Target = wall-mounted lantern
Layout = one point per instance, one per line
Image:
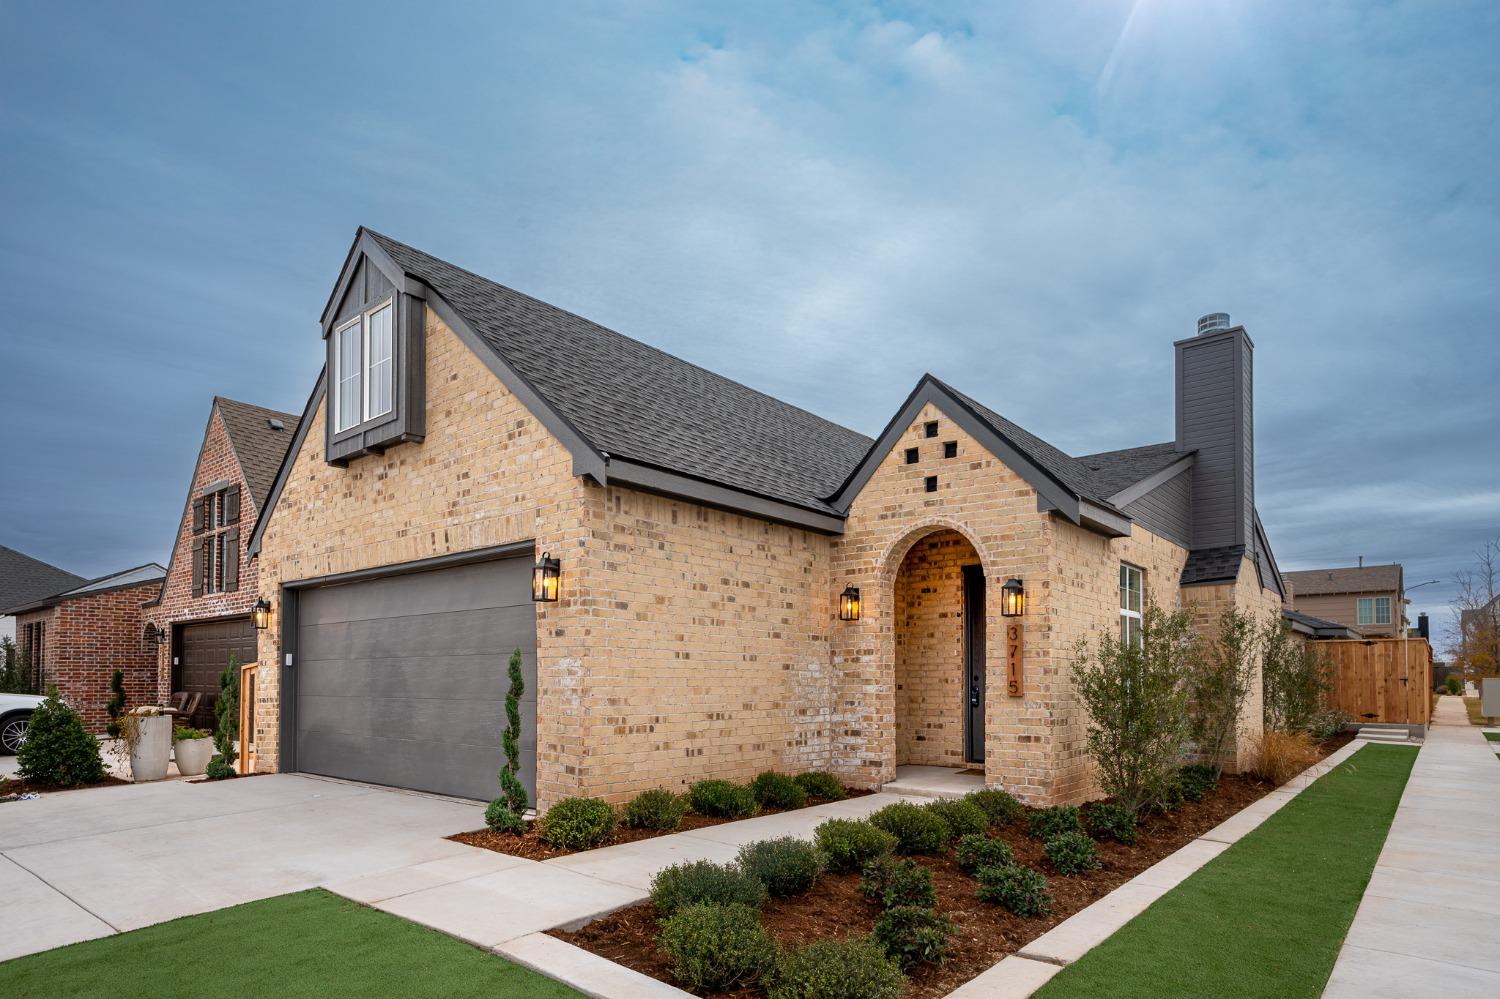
(849, 604)
(1012, 598)
(261, 614)
(153, 635)
(546, 577)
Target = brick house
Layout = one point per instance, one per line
(201, 613)
(25, 580)
(729, 583)
(80, 636)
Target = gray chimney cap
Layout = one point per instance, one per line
(1213, 323)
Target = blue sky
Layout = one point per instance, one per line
(823, 201)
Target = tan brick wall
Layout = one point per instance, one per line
(930, 680)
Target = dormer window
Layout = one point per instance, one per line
(364, 376)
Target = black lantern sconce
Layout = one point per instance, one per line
(546, 577)
(1012, 598)
(261, 614)
(849, 604)
(153, 635)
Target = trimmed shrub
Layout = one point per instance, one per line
(774, 790)
(1072, 853)
(500, 818)
(58, 750)
(721, 799)
(1001, 806)
(181, 732)
(1329, 723)
(511, 788)
(897, 882)
(1453, 685)
(1022, 890)
(1197, 779)
(116, 706)
(963, 817)
(1111, 821)
(836, 969)
(1048, 822)
(913, 935)
(977, 850)
(227, 712)
(786, 866)
(917, 830)
(850, 844)
(657, 809)
(714, 947)
(823, 786)
(218, 769)
(577, 823)
(703, 882)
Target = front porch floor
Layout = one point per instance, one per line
(934, 782)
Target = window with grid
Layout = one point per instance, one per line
(1132, 601)
(364, 382)
(1374, 610)
(216, 541)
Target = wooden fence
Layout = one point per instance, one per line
(1382, 679)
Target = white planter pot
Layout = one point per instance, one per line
(193, 755)
(148, 761)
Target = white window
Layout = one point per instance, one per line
(1374, 610)
(1132, 593)
(364, 375)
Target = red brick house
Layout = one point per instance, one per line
(201, 615)
(80, 636)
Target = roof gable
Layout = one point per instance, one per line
(260, 438)
(1347, 579)
(140, 575)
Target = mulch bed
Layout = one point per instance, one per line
(530, 845)
(983, 933)
(15, 785)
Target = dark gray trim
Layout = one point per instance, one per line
(213, 487)
(588, 460)
(365, 246)
(263, 515)
(656, 480)
(1136, 490)
(1051, 494)
(291, 590)
(1106, 522)
(1263, 543)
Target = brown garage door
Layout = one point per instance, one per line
(204, 651)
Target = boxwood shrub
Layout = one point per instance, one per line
(1022, 890)
(977, 850)
(774, 790)
(58, 749)
(1072, 853)
(1106, 820)
(703, 882)
(850, 844)
(1001, 806)
(963, 816)
(1197, 779)
(912, 934)
(717, 947)
(917, 829)
(577, 823)
(499, 817)
(721, 799)
(897, 882)
(836, 969)
(823, 786)
(1048, 822)
(786, 866)
(656, 809)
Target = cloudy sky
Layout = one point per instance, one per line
(823, 201)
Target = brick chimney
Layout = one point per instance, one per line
(1216, 418)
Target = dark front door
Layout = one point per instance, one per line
(974, 662)
(204, 651)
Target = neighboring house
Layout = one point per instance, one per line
(24, 580)
(1315, 627)
(201, 617)
(729, 583)
(80, 636)
(1369, 598)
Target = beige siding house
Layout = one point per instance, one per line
(701, 580)
(1369, 598)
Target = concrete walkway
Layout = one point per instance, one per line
(1426, 926)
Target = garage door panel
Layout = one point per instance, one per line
(461, 633)
(402, 680)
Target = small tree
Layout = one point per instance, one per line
(1220, 679)
(1137, 699)
(1296, 675)
(116, 705)
(511, 787)
(58, 750)
(15, 668)
(227, 711)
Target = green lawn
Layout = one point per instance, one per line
(1492, 736)
(301, 946)
(1267, 916)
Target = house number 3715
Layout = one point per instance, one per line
(1014, 680)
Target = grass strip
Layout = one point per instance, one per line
(1268, 915)
(299, 946)
(1492, 736)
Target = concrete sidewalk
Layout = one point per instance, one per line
(1426, 925)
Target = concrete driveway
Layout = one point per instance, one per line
(82, 864)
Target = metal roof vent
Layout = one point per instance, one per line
(1213, 323)
(276, 424)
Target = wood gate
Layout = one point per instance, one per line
(1381, 679)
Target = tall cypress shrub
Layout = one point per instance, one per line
(227, 711)
(116, 705)
(511, 787)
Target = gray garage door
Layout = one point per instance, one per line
(402, 680)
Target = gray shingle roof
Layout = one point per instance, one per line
(24, 579)
(1115, 470)
(257, 445)
(633, 401)
(1213, 565)
(1349, 579)
(1319, 627)
(139, 575)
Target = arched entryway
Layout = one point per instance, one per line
(938, 595)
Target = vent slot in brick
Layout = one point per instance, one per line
(912, 454)
(931, 483)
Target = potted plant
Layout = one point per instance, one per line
(146, 738)
(192, 747)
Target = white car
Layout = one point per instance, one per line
(15, 718)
